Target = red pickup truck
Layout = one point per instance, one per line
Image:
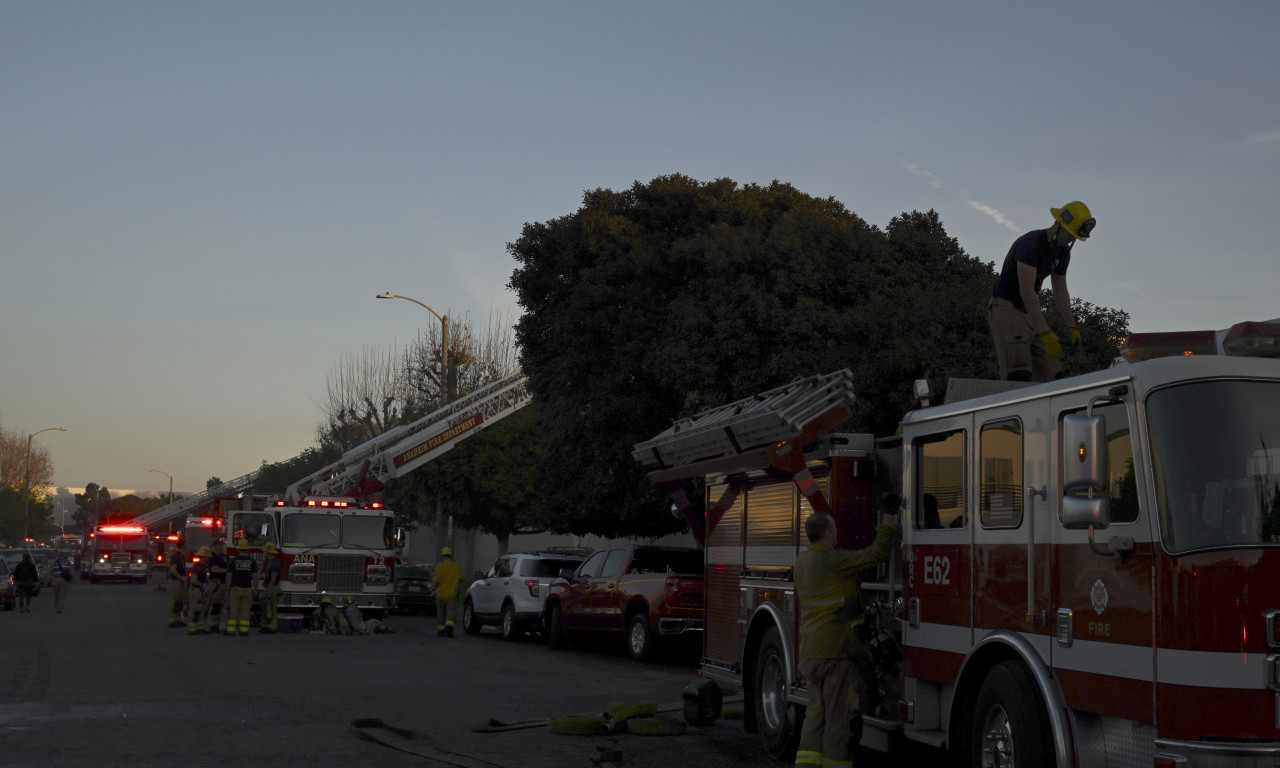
(641, 591)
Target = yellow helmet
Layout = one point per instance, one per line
(203, 552)
(242, 544)
(326, 600)
(270, 548)
(446, 552)
(1075, 218)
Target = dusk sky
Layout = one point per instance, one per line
(200, 201)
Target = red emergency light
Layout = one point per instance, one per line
(121, 529)
(375, 505)
(173, 537)
(207, 522)
(1148, 346)
(1253, 340)
(325, 503)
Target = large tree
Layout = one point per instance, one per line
(656, 302)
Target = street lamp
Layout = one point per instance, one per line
(26, 489)
(166, 474)
(444, 344)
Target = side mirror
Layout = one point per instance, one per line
(1084, 453)
(567, 574)
(1079, 513)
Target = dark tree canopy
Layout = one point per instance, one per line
(674, 296)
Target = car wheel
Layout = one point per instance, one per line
(510, 629)
(470, 624)
(639, 637)
(556, 636)
(777, 719)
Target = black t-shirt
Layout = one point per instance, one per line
(1034, 249)
(242, 569)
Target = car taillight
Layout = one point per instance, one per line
(532, 586)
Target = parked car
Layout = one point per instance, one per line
(14, 556)
(413, 590)
(510, 593)
(642, 592)
(8, 592)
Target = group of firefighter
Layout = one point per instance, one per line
(216, 579)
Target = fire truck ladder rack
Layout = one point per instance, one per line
(402, 449)
(765, 430)
(182, 506)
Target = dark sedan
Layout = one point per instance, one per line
(414, 592)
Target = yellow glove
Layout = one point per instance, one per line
(1076, 341)
(1051, 346)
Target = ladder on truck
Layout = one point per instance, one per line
(400, 450)
(765, 430)
(181, 507)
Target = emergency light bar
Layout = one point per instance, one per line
(121, 529)
(1251, 339)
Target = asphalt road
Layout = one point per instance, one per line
(106, 683)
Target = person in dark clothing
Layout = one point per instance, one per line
(26, 579)
(1026, 348)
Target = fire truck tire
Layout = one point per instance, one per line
(510, 627)
(577, 725)
(640, 638)
(1009, 722)
(777, 719)
(556, 637)
(655, 726)
(470, 624)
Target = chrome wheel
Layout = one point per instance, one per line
(997, 740)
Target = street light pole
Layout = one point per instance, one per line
(26, 488)
(166, 474)
(444, 344)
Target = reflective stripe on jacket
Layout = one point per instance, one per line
(827, 586)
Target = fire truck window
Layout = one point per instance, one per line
(1122, 486)
(1000, 451)
(940, 481)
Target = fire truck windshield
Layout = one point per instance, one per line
(367, 531)
(1215, 446)
(355, 531)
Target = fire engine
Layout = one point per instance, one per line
(118, 552)
(1087, 572)
(329, 546)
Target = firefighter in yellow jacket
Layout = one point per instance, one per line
(447, 580)
(826, 582)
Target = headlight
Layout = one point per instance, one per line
(302, 573)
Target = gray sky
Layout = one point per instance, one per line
(201, 200)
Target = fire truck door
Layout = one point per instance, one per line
(1102, 650)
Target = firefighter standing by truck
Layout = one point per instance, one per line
(270, 589)
(446, 580)
(177, 580)
(217, 589)
(198, 593)
(826, 582)
(1026, 348)
(241, 571)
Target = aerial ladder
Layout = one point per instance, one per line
(180, 508)
(364, 470)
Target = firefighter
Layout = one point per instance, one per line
(217, 589)
(332, 619)
(198, 593)
(242, 569)
(1026, 348)
(826, 582)
(447, 580)
(177, 580)
(270, 589)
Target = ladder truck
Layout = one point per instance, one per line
(1087, 569)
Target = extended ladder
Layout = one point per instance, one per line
(182, 506)
(402, 449)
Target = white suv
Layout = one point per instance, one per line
(511, 593)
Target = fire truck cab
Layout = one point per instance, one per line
(118, 553)
(1087, 572)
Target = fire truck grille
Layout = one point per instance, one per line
(340, 573)
(119, 558)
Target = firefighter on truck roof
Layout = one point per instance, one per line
(1026, 349)
(241, 571)
(826, 582)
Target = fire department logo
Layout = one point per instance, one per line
(1098, 596)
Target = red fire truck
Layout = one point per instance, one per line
(118, 553)
(329, 545)
(1088, 567)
